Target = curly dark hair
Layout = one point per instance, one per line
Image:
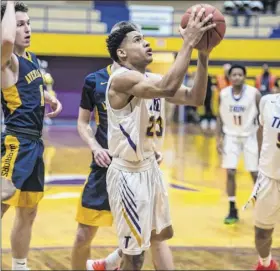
(237, 66)
(19, 6)
(122, 24)
(116, 38)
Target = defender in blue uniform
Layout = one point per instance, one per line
(94, 209)
(23, 102)
(22, 148)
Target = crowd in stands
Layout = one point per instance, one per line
(248, 9)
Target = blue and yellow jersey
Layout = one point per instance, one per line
(93, 98)
(23, 103)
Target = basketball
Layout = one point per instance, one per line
(214, 36)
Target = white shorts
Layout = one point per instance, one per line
(266, 199)
(139, 203)
(234, 146)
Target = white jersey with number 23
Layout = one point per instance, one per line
(137, 130)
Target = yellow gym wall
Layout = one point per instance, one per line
(95, 46)
(83, 45)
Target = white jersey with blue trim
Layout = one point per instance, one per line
(269, 163)
(137, 130)
(239, 114)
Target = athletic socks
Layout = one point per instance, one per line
(113, 260)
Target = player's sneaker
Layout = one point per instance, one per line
(273, 266)
(97, 265)
(232, 217)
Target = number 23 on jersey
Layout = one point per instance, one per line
(155, 127)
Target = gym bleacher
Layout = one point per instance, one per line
(59, 16)
(80, 16)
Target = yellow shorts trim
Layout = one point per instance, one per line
(93, 217)
(24, 199)
(8, 161)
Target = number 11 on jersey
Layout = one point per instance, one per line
(237, 120)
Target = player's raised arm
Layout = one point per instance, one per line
(194, 96)
(8, 20)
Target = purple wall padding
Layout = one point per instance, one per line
(70, 101)
(69, 74)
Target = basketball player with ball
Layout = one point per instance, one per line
(136, 125)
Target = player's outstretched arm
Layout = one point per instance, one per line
(196, 95)
(8, 33)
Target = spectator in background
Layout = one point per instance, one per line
(208, 120)
(272, 4)
(242, 8)
(223, 80)
(266, 81)
(245, 8)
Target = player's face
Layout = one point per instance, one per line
(237, 77)
(137, 50)
(23, 33)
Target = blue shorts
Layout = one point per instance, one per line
(22, 163)
(93, 207)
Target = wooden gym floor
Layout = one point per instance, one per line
(197, 198)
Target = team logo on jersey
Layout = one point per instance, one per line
(127, 238)
(156, 105)
(237, 108)
(33, 75)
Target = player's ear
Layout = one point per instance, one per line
(121, 53)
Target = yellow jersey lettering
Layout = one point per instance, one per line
(33, 75)
(7, 161)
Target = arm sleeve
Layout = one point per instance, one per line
(87, 99)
